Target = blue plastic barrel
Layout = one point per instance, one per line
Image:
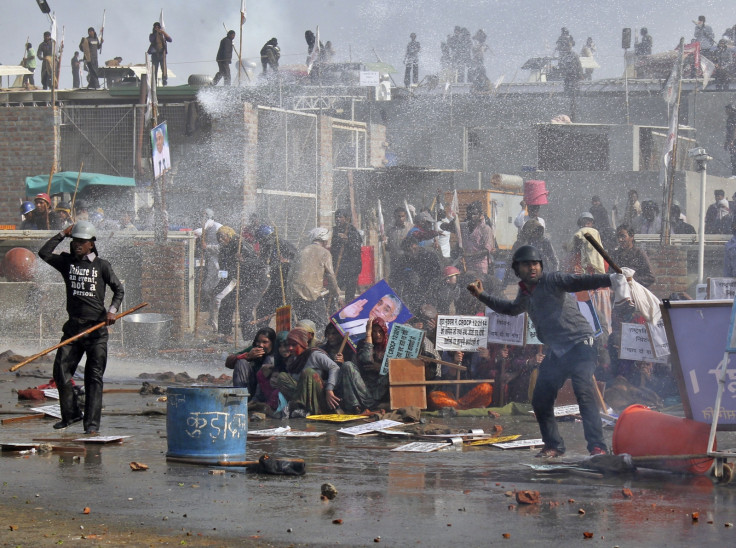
(205, 425)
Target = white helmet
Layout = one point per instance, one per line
(84, 230)
(319, 234)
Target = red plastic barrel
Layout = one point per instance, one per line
(367, 276)
(641, 432)
(535, 193)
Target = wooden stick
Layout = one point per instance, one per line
(251, 463)
(599, 397)
(442, 362)
(202, 274)
(343, 343)
(22, 418)
(599, 248)
(74, 338)
(445, 381)
(76, 187)
(281, 271)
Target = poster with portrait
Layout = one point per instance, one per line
(378, 301)
(160, 148)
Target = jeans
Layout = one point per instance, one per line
(65, 365)
(578, 365)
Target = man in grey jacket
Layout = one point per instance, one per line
(568, 335)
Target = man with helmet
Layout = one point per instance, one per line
(548, 299)
(210, 249)
(42, 202)
(61, 216)
(85, 276)
(26, 212)
(306, 280)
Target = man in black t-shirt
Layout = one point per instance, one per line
(85, 276)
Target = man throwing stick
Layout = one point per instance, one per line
(562, 327)
(85, 276)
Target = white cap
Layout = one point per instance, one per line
(319, 233)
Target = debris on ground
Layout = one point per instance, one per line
(138, 466)
(527, 497)
(329, 491)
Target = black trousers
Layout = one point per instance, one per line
(223, 71)
(67, 359)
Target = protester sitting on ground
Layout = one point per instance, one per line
(362, 387)
(247, 363)
(521, 375)
(333, 342)
(308, 383)
(282, 354)
(310, 327)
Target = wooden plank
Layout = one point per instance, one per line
(412, 393)
(446, 381)
(121, 391)
(22, 418)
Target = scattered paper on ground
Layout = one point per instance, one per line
(421, 447)
(519, 444)
(336, 418)
(50, 410)
(285, 432)
(499, 439)
(52, 393)
(369, 427)
(101, 439)
(565, 410)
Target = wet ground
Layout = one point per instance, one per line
(397, 499)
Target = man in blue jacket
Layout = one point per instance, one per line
(548, 299)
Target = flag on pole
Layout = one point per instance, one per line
(707, 66)
(161, 19)
(149, 97)
(243, 15)
(315, 53)
(102, 28)
(670, 88)
(674, 83)
(53, 27)
(381, 225)
(455, 214)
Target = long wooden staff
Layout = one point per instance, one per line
(76, 187)
(343, 343)
(237, 282)
(202, 273)
(281, 272)
(74, 338)
(599, 248)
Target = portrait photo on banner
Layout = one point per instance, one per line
(380, 301)
(160, 147)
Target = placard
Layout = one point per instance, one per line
(403, 342)
(504, 329)
(531, 332)
(369, 78)
(697, 332)
(283, 318)
(658, 339)
(369, 427)
(520, 444)
(379, 301)
(421, 447)
(461, 333)
(721, 288)
(636, 344)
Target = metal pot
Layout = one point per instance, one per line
(150, 331)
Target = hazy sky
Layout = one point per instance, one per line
(516, 29)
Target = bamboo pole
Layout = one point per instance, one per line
(74, 338)
(76, 187)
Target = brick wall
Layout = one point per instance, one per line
(164, 281)
(671, 269)
(26, 149)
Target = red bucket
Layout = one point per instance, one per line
(641, 432)
(535, 193)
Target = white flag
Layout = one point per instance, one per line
(161, 19)
(455, 212)
(243, 15)
(670, 88)
(53, 27)
(671, 136)
(707, 66)
(149, 97)
(315, 53)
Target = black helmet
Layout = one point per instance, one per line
(526, 253)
